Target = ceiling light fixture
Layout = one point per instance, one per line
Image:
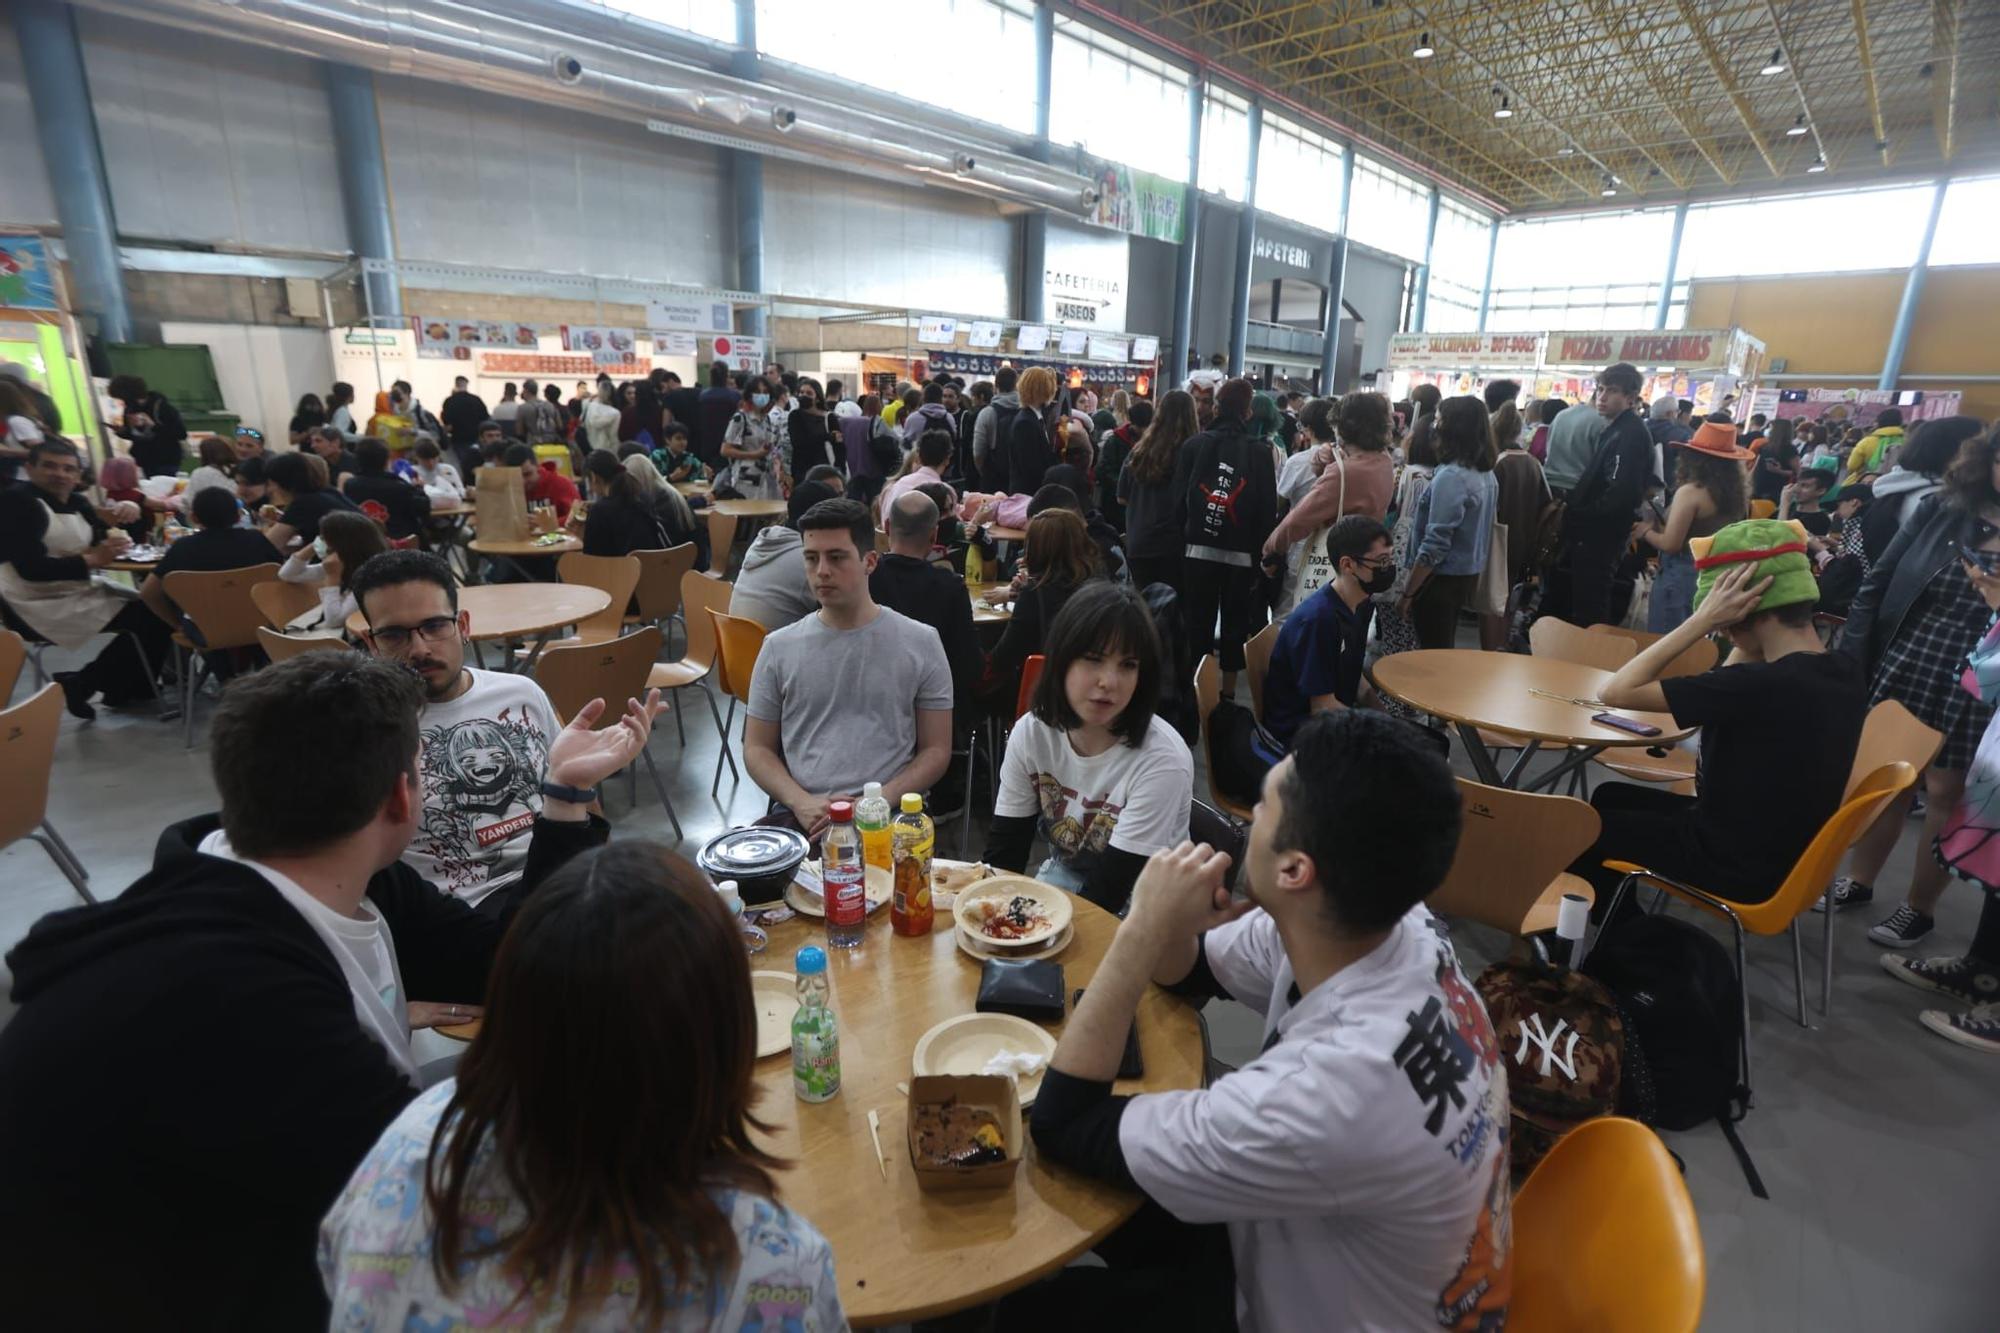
(1504, 110)
(1610, 187)
(1424, 49)
(1777, 65)
(1567, 150)
(1818, 165)
(1798, 127)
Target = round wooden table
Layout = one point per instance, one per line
(1000, 534)
(511, 549)
(132, 566)
(693, 487)
(983, 614)
(1472, 689)
(749, 508)
(518, 611)
(902, 1254)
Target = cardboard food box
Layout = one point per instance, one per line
(990, 1092)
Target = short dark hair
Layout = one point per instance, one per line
(1055, 495)
(517, 454)
(125, 388)
(1821, 476)
(1004, 379)
(934, 392)
(841, 513)
(490, 424)
(673, 428)
(1758, 418)
(391, 568)
(1622, 376)
(1934, 443)
(371, 456)
(355, 715)
(426, 448)
(1354, 536)
(1363, 419)
(825, 473)
(215, 507)
(1501, 391)
(1464, 433)
(1140, 414)
(934, 447)
(718, 375)
(1548, 410)
(53, 444)
(1372, 802)
(1889, 416)
(290, 472)
(1101, 617)
(1233, 398)
(252, 471)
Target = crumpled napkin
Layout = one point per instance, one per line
(1019, 1064)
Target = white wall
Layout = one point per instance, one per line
(482, 179)
(25, 196)
(261, 370)
(211, 141)
(884, 242)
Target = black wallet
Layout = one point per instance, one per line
(1031, 989)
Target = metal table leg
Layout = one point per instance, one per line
(1482, 760)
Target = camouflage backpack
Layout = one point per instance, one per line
(1563, 1044)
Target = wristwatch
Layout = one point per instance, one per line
(574, 795)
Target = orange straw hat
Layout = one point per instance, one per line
(1717, 438)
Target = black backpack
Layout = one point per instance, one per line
(1177, 702)
(1675, 985)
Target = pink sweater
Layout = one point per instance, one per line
(1371, 484)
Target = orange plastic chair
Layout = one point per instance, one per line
(27, 754)
(1808, 880)
(1031, 675)
(1892, 732)
(1514, 849)
(1763, 508)
(1605, 1237)
(738, 641)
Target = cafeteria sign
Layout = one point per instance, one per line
(1687, 349)
(1459, 351)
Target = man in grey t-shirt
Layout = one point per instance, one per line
(853, 693)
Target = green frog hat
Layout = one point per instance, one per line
(1777, 549)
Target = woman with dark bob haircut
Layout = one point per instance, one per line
(1090, 766)
(592, 1164)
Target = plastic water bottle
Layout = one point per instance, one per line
(915, 839)
(844, 879)
(815, 1034)
(871, 817)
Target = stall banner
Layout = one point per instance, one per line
(512, 365)
(1136, 202)
(607, 346)
(436, 338)
(672, 342)
(1031, 338)
(1457, 351)
(739, 351)
(688, 314)
(1682, 349)
(1145, 349)
(937, 330)
(26, 281)
(1102, 348)
(984, 333)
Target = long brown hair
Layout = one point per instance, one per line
(1465, 433)
(612, 1083)
(1722, 478)
(1968, 482)
(1507, 426)
(1153, 457)
(354, 538)
(1059, 549)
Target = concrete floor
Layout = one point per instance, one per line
(1868, 1130)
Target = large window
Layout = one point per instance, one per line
(1591, 270)
(1390, 211)
(1225, 144)
(1298, 174)
(1968, 230)
(1458, 268)
(704, 18)
(974, 57)
(1118, 102)
(1816, 233)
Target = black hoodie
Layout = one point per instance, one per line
(187, 1088)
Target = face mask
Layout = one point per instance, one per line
(1378, 580)
(760, 400)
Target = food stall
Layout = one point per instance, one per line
(39, 332)
(976, 348)
(1459, 363)
(1715, 368)
(1855, 406)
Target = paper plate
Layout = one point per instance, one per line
(950, 878)
(806, 902)
(964, 1044)
(1054, 904)
(978, 952)
(776, 995)
(465, 1031)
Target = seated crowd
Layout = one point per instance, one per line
(437, 854)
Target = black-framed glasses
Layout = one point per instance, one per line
(397, 637)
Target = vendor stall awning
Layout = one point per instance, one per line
(1462, 351)
(1726, 350)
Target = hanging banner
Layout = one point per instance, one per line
(1102, 348)
(1137, 202)
(983, 334)
(1453, 351)
(436, 338)
(1075, 342)
(738, 351)
(607, 346)
(1145, 349)
(937, 330)
(26, 281)
(1684, 349)
(668, 342)
(688, 314)
(1031, 337)
(511, 365)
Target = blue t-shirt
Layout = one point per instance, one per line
(1319, 651)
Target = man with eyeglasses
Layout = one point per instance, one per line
(1316, 662)
(486, 734)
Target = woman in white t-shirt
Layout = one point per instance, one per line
(346, 540)
(1090, 767)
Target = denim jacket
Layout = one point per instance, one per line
(1455, 520)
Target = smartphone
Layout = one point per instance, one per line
(1636, 727)
(1129, 1064)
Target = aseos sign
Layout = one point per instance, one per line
(1461, 351)
(1689, 349)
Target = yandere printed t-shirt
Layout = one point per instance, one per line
(482, 757)
(1134, 798)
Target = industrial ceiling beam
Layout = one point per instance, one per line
(1706, 41)
(1609, 21)
(1867, 60)
(1944, 74)
(1319, 52)
(1448, 137)
(1263, 16)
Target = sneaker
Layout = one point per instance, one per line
(1978, 1027)
(1904, 927)
(1966, 980)
(1847, 892)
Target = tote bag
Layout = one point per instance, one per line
(1316, 565)
(1489, 595)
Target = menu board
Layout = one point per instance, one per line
(1075, 342)
(1145, 349)
(939, 330)
(984, 333)
(1108, 349)
(606, 346)
(1031, 338)
(455, 339)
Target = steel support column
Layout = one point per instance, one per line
(1035, 225)
(1673, 269)
(1246, 240)
(1486, 291)
(746, 178)
(364, 180)
(1913, 293)
(66, 127)
(1184, 260)
(1336, 280)
(1422, 297)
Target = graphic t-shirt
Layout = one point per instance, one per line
(482, 757)
(1132, 798)
(375, 1254)
(1360, 1161)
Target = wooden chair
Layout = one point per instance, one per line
(284, 647)
(13, 656)
(614, 575)
(700, 594)
(1514, 851)
(27, 754)
(1207, 694)
(224, 617)
(738, 641)
(1257, 661)
(721, 541)
(1549, 637)
(1808, 880)
(1892, 732)
(614, 670)
(281, 603)
(1700, 657)
(657, 598)
(1608, 1192)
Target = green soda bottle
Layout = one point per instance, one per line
(815, 1035)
